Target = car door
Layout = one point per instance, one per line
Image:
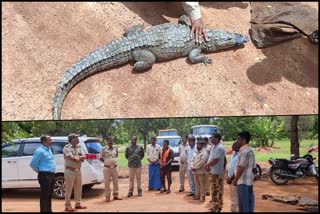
(57, 149)
(9, 169)
(27, 177)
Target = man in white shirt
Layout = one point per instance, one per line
(153, 150)
(191, 152)
(183, 166)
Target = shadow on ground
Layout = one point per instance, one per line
(295, 60)
(155, 13)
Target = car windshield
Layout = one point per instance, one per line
(168, 133)
(93, 147)
(173, 142)
(203, 130)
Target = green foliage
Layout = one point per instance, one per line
(262, 128)
(231, 126)
(281, 149)
(265, 130)
(43, 127)
(12, 130)
(120, 134)
(307, 125)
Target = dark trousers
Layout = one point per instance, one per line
(246, 198)
(46, 181)
(163, 172)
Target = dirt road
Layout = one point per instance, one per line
(27, 200)
(42, 39)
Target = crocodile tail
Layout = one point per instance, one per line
(110, 55)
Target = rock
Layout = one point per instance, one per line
(98, 102)
(308, 202)
(288, 200)
(294, 200)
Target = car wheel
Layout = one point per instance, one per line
(59, 187)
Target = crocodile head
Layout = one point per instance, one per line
(220, 39)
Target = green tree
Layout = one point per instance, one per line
(265, 130)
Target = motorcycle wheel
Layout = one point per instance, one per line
(276, 178)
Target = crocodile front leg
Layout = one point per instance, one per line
(195, 56)
(144, 60)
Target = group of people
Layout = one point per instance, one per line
(43, 163)
(204, 164)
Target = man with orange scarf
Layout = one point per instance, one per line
(166, 157)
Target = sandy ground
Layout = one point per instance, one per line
(28, 200)
(41, 40)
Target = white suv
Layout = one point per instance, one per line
(17, 173)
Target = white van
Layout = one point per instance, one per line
(203, 131)
(17, 173)
(174, 142)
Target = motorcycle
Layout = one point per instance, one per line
(298, 167)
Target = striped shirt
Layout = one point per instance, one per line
(246, 159)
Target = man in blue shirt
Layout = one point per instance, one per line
(44, 164)
(231, 175)
(216, 166)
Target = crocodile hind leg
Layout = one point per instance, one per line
(195, 57)
(144, 60)
(184, 20)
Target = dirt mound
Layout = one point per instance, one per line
(264, 149)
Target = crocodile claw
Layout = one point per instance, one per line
(207, 61)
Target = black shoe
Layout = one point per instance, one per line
(130, 194)
(149, 189)
(190, 194)
(163, 190)
(140, 193)
(181, 190)
(208, 193)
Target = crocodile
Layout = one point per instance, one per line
(145, 46)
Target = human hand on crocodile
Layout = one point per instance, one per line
(198, 30)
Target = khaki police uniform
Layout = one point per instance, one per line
(197, 163)
(110, 170)
(72, 173)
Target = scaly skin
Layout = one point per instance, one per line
(158, 43)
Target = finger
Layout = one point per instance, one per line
(204, 32)
(192, 31)
(197, 36)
